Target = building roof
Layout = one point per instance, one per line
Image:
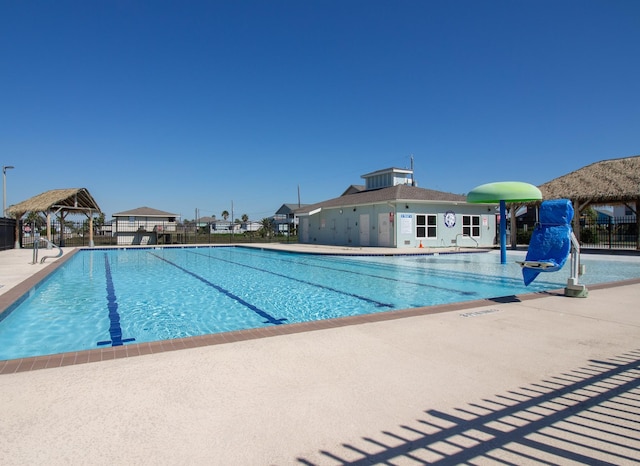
(401, 192)
(354, 188)
(286, 209)
(68, 200)
(144, 212)
(606, 182)
(405, 171)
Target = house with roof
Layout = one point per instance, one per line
(143, 225)
(285, 220)
(391, 211)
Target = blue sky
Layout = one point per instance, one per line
(197, 104)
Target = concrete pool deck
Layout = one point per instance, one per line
(523, 380)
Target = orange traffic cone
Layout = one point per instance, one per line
(420, 244)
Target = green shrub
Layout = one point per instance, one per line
(588, 236)
(523, 237)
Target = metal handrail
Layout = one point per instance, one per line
(50, 245)
(466, 236)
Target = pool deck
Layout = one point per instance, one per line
(533, 379)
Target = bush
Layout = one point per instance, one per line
(523, 237)
(588, 236)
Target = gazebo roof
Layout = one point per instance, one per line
(606, 182)
(69, 200)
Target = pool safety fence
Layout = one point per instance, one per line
(7, 233)
(610, 232)
(602, 233)
(76, 234)
(598, 233)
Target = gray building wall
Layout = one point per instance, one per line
(393, 224)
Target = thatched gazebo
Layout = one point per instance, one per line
(57, 202)
(610, 182)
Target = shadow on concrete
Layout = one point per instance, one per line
(588, 416)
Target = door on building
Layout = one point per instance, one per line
(364, 229)
(305, 230)
(384, 230)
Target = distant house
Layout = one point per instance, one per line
(390, 211)
(143, 225)
(204, 222)
(250, 225)
(285, 220)
(224, 226)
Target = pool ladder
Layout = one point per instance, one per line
(49, 246)
(464, 236)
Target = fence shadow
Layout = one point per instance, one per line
(588, 416)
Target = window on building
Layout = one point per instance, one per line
(471, 225)
(426, 226)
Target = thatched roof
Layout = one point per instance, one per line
(69, 200)
(612, 181)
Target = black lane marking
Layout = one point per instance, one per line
(269, 318)
(334, 290)
(115, 331)
(452, 290)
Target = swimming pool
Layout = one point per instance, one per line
(113, 297)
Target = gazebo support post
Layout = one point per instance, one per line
(637, 224)
(49, 226)
(91, 244)
(578, 208)
(61, 218)
(19, 215)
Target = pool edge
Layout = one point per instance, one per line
(12, 366)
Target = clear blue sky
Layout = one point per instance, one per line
(179, 105)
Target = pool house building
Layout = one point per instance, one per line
(391, 211)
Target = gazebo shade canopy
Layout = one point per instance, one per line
(72, 199)
(508, 191)
(611, 182)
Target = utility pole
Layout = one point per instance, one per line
(413, 176)
(4, 187)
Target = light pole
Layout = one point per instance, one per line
(4, 186)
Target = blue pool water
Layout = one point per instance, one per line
(113, 297)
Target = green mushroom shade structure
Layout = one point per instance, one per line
(503, 192)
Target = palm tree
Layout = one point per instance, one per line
(245, 218)
(225, 215)
(266, 227)
(35, 219)
(98, 222)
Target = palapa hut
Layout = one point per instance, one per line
(610, 182)
(57, 202)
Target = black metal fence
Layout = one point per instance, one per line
(7, 233)
(601, 233)
(76, 234)
(609, 232)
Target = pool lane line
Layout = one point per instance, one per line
(425, 285)
(115, 331)
(269, 318)
(447, 274)
(334, 290)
